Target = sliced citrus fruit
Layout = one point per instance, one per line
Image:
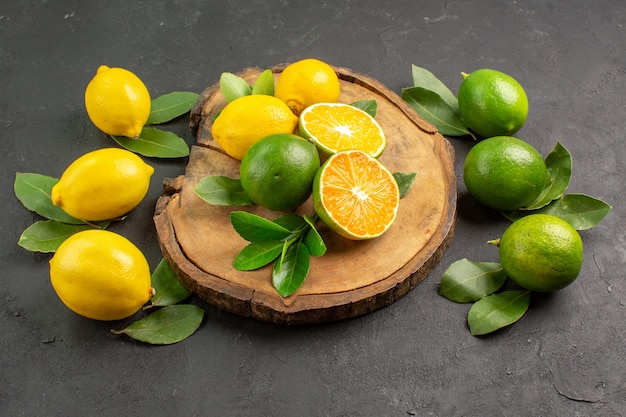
(355, 195)
(335, 127)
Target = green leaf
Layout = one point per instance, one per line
(222, 191)
(288, 275)
(233, 86)
(559, 164)
(34, 192)
(315, 243)
(255, 228)
(170, 106)
(496, 311)
(427, 80)
(264, 84)
(168, 288)
(580, 210)
(258, 254)
(167, 325)
(466, 281)
(313, 240)
(290, 221)
(435, 110)
(153, 142)
(46, 236)
(405, 181)
(368, 106)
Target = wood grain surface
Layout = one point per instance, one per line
(352, 278)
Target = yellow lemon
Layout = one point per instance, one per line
(101, 275)
(102, 184)
(246, 120)
(307, 82)
(117, 102)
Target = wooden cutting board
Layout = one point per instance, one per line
(353, 277)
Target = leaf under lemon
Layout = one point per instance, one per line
(232, 86)
(157, 143)
(166, 326)
(168, 289)
(34, 191)
(170, 106)
(46, 236)
(264, 84)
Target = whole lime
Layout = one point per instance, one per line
(277, 172)
(505, 173)
(541, 252)
(492, 103)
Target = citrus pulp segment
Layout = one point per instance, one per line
(335, 127)
(355, 195)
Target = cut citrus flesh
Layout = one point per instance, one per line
(356, 195)
(335, 127)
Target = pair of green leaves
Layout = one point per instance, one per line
(435, 103)
(171, 322)
(466, 281)
(158, 143)
(34, 191)
(232, 86)
(580, 210)
(289, 241)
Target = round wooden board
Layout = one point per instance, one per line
(353, 277)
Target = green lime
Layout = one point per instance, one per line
(541, 252)
(505, 173)
(277, 172)
(492, 103)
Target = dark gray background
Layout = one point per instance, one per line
(416, 357)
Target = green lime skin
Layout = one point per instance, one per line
(541, 253)
(492, 103)
(277, 172)
(505, 173)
